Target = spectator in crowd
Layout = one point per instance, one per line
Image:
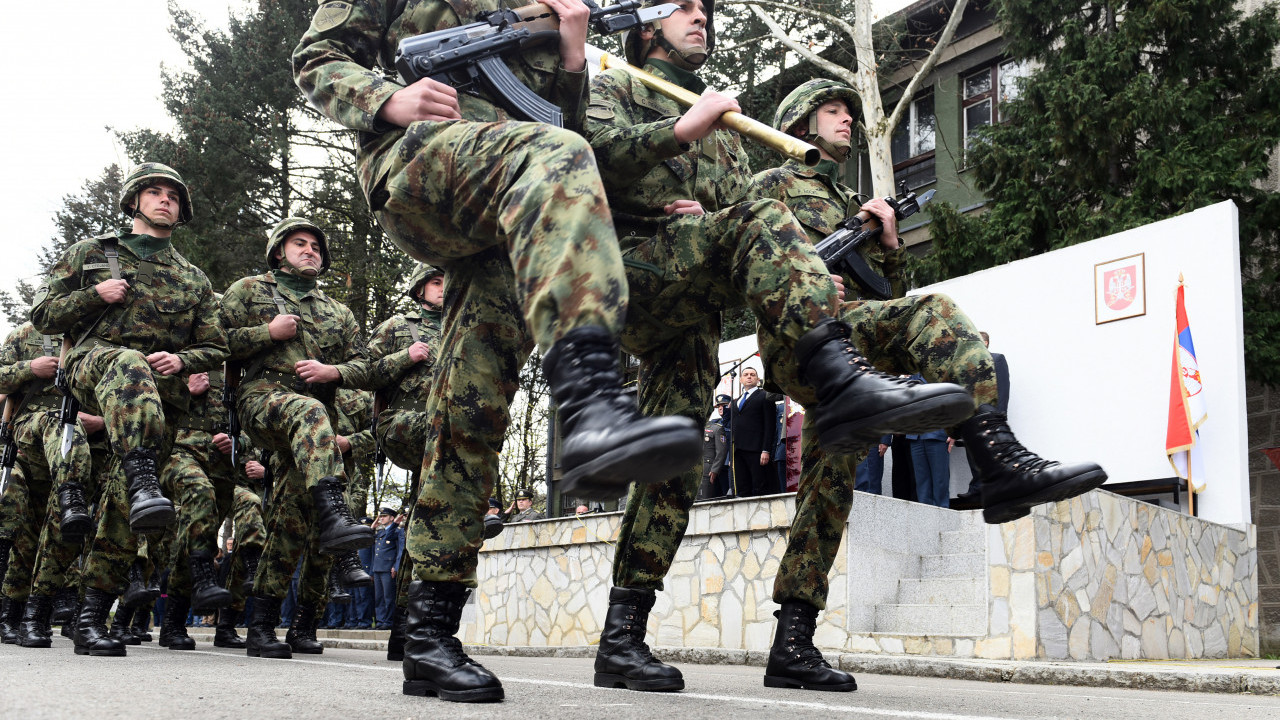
(930, 458)
(715, 452)
(753, 419)
(359, 612)
(388, 546)
(870, 472)
(523, 507)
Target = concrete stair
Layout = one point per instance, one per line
(947, 593)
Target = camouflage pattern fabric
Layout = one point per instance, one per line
(516, 214)
(169, 307)
(56, 559)
(250, 531)
(290, 534)
(820, 202)
(402, 426)
(353, 417)
(18, 510)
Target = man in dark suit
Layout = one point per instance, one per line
(388, 546)
(754, 422)
(972, 498)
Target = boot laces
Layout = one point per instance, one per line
(72, 494)
(800, 640)
(1005, 447)
(864, 366)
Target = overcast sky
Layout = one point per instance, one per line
(90, 66)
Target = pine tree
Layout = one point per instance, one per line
(1139, 111)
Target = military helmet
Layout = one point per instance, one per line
(282, 230)
(420, 276)
(634, 48)
(148, 174)
(800, 103)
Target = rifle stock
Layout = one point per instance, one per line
(69, 410)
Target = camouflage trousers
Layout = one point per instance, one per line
(926, 334)
(118, 384)
(291, 536)
(403, 434)
(202, 482)
(38, 435)
(249, 533)
(56, 558)
(754, 254)
(527, 192)
(294, 426)
(21, 512)
(483, 347)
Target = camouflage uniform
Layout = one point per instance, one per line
(56, 560)
(169, 307)
(202, 480)
(250, 532)
(283, 415)
(514, 211)
(926, 334)
(683, 271)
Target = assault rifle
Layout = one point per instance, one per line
(10, 445)
(839, 249)
(470, 57)
(69, 411)
(230, 384)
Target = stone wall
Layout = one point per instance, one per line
(1099, 577)
(1263, 407)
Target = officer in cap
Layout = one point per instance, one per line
(523, 506)
(715, 451)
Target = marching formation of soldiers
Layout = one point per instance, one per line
(633, 227)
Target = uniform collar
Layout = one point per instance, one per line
(144, 246)
(679, 76)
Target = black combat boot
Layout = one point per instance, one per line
(339, 532)
(142, 622)
(395, 641)
(206, 593)
(224, 635)
(607, 444)
(75, 514)
(69, 627)
(6, 544)
(137, 592)
(623, 660)
(794, 662)
(434, 663)
(149, 509)
(173, 631)
(10, 620)
(337, 593)
(251, 557)
(260, 640)
(1014, 479)
(64, 606)
(91, 636)
(492, 526)
(857, 403)
(120, 625)
(350, 572)
(302, 631)
(35, 631)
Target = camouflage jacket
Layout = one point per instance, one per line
(353, 420)
(394, 336)
(169, 307)
(22, 346)
(207, 416)
(644, 168)
(820, 203)
(344, 64)
(327, 331)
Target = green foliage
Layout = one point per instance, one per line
(1140, 111)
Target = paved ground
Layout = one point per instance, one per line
(153, 682)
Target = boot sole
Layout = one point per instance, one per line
(774, 681)
(346, 543)
(1011, 510)
(932, 413)
(99, 653)
(147, 519)
(216, 601)
(296, 651)
(38, 644)
(270, 654)
(182, 646)
(236, 644)
(653, 459)
(422, 688)
(609, 680)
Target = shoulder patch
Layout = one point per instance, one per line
(330, 15)
(599, 112)
(42, 292)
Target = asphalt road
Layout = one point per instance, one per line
(207, 683)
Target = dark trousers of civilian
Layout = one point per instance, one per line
(384, 594)
(932, 464)
(753, 478)
(359, 612)
(870, 473)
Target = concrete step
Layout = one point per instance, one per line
(968, 565)
(942, 591)
(963, 541)
(918, 619)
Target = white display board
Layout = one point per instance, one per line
(1101, 391)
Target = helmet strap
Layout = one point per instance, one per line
(691, 61)
(840, 151)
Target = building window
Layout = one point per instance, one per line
(986, 90)
(913, 144)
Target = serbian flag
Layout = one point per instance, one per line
(1186, 405)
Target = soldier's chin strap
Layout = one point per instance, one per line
(691, 61)
(840, 151)
(157, 225)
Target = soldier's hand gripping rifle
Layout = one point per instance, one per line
(70, 408)
(839, 249)
(231, 372)
(470, 57)
(10, 446)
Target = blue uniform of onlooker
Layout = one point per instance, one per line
(388, 546)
